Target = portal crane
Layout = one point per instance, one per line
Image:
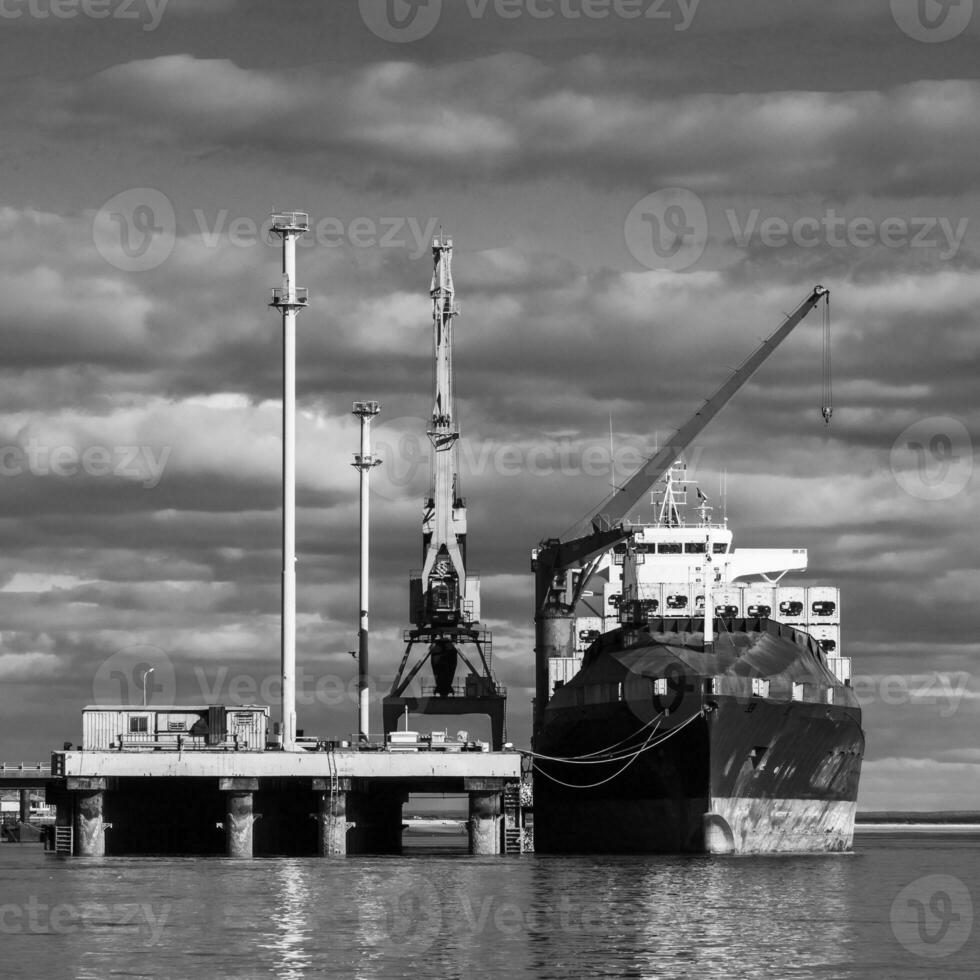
(444, 599)
(562, 569)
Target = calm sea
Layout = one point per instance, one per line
(900, 906)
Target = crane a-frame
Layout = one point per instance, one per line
(562, 569)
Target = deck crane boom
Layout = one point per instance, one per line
(557, 589)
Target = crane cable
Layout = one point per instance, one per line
(827, 406)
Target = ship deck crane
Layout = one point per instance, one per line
(562, 569)
(444, 599)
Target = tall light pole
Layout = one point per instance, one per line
(146, 673)
(364, 462)
(289, 299)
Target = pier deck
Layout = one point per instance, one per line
(247, 803)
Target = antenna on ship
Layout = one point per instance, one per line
(289, 299)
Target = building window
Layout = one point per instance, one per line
(139, 725)
(760, 687)
(830, 695)
(797, 692)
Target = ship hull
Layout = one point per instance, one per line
(712, 774)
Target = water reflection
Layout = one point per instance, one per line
(291, 942)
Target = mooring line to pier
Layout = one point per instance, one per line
(592, 758)
(643, 748)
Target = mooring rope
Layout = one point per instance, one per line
(590, 756)
(643, 748)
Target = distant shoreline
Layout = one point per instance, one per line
(950, 817)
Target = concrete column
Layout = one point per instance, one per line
(486, 815)
(25, 806)
(89, 803)
(332, 816)
(239, 818)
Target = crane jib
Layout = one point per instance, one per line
(657, 465)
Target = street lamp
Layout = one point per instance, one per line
(146, 673)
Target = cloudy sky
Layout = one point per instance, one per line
(637, 190)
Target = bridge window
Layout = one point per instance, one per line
(660, 685)
(720, 549)
(695, 548)
(670, 548)
(760, 687)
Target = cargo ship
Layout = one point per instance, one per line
(687, 700)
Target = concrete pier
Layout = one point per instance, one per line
(332, 817)
(253, 803)
(89, 805)
(486, 815)
(239, 816)
(25, 806)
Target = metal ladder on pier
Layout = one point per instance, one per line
(64, 840)
(513, 832)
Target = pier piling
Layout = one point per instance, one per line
(486, 815)
(239, 816)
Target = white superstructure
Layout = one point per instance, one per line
(682, 566)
